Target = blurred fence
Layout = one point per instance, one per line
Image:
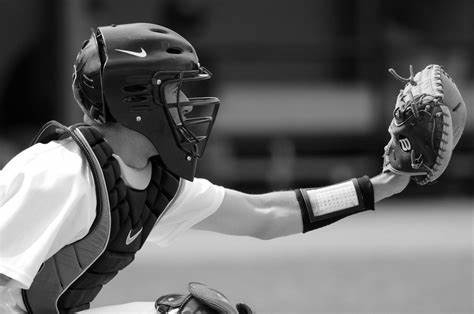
(306, 98)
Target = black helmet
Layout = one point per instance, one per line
(120, 75)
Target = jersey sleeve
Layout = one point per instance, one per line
(194, 202)
(47, 200)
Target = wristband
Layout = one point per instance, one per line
(323, 206)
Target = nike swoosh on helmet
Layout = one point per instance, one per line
(141, 54)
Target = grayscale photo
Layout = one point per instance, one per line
(237, 157)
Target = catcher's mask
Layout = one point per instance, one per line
(121, 74)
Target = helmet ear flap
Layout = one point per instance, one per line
(87, 77)
(100, 48)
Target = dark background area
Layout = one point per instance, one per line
(306, 96)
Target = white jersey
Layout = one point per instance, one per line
(48, 200)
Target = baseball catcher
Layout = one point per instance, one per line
(86, 197)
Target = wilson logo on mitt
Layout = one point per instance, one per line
(405, 144)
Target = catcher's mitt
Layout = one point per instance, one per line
(200, 300)
(429, 118)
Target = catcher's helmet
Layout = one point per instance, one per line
(120, 75)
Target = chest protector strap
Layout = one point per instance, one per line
(54, 278)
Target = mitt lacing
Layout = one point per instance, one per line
(413, 105)
(410, 79)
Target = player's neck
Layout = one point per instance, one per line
(131, 152)
(133, 148)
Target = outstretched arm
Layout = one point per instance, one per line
(278, 214)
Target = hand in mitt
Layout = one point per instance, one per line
(429, 119)
(201, 299)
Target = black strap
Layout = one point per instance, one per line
(365, 188)
(365, 195)
(55, 278)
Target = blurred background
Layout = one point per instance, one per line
(306, 101)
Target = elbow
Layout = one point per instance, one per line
(270, 220)
(272, 224)
(269, 235)
(266, 233)
(264, 236)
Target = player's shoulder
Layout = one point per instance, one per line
(61, 156)
(199, 189)
(198, 185)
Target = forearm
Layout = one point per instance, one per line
(278, 214)
(262, 216)
(285, 215)
(387, 184)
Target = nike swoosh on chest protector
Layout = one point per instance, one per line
(130, 239)
(141, 54)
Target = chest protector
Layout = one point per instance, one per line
(69, 280)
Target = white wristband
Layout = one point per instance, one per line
(333, 198)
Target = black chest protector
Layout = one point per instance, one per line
(72, 278)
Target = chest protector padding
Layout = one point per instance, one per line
(133, 215)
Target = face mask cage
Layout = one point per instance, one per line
(192, 117)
